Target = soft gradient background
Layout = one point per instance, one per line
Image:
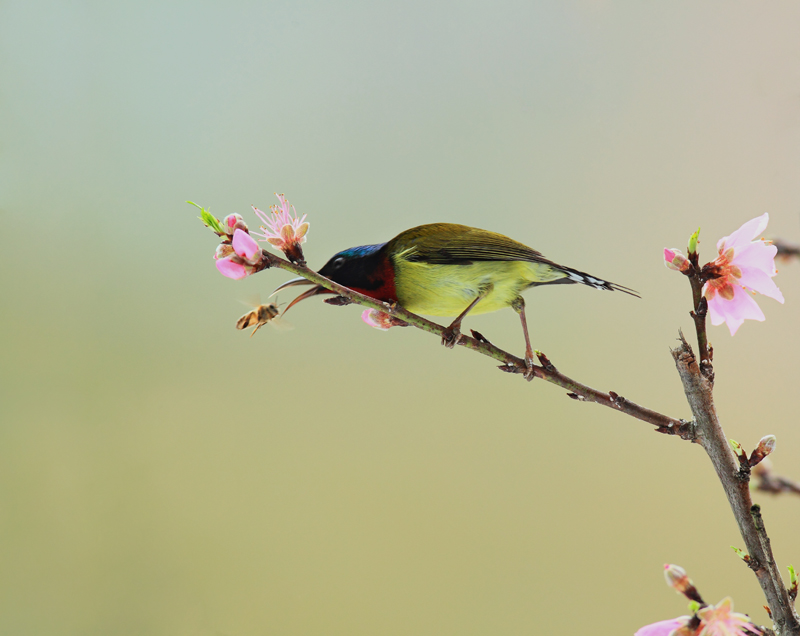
(162, 473)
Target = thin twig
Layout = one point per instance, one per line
(510, 363)
(768, 481)
(786, 250)
(699, 314)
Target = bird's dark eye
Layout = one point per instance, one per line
(337, 262)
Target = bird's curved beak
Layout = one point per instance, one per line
(314, 291)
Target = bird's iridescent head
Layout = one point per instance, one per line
(354, 268)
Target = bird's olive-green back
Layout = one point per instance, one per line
(450, 243)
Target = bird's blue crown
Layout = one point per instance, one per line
(360, 251)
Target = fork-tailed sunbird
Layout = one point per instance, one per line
(444, 269)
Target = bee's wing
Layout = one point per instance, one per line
(253, 301)
(280, 324)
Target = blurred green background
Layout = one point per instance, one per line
(162, 473)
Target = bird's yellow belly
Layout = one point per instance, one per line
(447, 290)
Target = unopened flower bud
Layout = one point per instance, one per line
(232, 222)
(676, 576)
(678, 580)
(673, 259)
(764, 448)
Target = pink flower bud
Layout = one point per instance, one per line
(231, 222)
(233, 268)
(678, 580)
(676, 576)
(674, 260)
(246, 247)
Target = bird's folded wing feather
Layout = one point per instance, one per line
(458, 244)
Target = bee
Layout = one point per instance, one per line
(261, 315)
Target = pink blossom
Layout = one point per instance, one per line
(239, 259)
(245, 246)
(721, 620)
(283, 229)
(743, 265)
(663, 628)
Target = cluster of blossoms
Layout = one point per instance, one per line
(707, 620)
(743, 264)
(239, 255)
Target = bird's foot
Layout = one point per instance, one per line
(450, 336)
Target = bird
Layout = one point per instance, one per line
(446, 269)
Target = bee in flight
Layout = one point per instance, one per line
(260, 316)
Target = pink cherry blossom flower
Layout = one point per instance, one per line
(663, 628)
(743, 265)
(239, 259)
(284, 229)
(721, 620)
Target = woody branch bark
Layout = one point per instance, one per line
(512, 364)
(735, 482)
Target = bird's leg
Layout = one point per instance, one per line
(453, 332)
(519, 306)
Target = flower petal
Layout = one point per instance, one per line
(744, 234)
(231, 269)
(245, 246)
(756, 254)
(735, 311)
(301, 230)
(662, 628)
(287, 234)
(757, 280)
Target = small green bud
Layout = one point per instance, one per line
(792, 575)
(740, 553)
(693, 607)
(693, 240)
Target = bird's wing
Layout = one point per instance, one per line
(451, 244)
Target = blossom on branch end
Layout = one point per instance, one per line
(284, 229)
(743, 265)
(239, 259)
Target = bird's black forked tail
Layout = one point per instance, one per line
(574, 276)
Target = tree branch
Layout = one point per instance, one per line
(510, 363)
(735, 482)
